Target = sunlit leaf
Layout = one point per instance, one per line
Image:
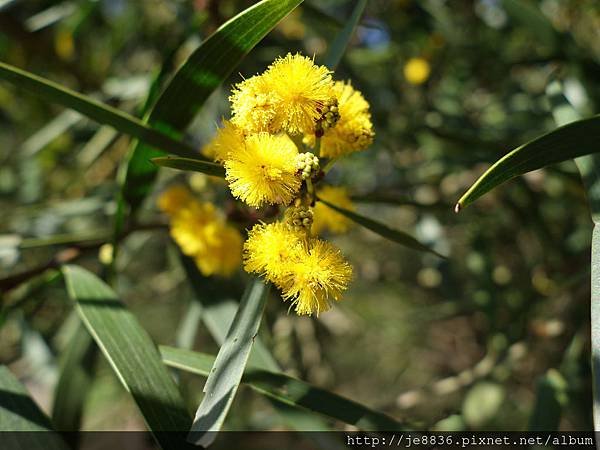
(228, 368)
(132, 355)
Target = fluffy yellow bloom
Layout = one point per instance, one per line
(290, 96)
(354, 129)
(270, 250)
(227, 139)
(253, 105)
(174, 199)
(318, 279)
(325, 218)
(264, 170)
(203, 234)
(416, 70)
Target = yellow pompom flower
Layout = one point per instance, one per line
(353, 131)
(270, 250)
(253, 105)
(264, 170)
(228, 139)
(416, 70)
(204, 235)
(290, 96)
(318, 279)
(325, 218)
(174, 199)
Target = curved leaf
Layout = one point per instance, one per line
(93, 109)
(132, 355)
(194, 165)
(289, 391)
(567, 142)
(397, 236)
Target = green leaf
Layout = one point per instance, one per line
(567, 142)
(228, 368)
(75, 379)
(18, 412)
(207, 67)
(218, 311)
(397, 236)
(589, 168)
(338, 46)
(93, 109)
(132, 355)
(193, 165)
(289, 391)
(551, 396)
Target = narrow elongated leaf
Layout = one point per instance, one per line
(229, 366)
(589, 168)
(397, 236)
(19, 413)
(193, 165)
(207, 67)
(75, 378)
(93, 109)
(567, 142)
(218, 311)
(289, 391)
(342, 39)
(132, 355)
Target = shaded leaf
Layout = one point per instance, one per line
(397, 236)
(228, 368)
(18, 412)
(338, 46)
(289, 391)
(193, 165)
(75, 379)
(132, 355)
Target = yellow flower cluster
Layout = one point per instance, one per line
(309, 271)
(202, 233)
(283, 121)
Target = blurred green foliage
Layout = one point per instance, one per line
(465, 343)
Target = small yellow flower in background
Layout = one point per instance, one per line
(269, 250)
(325, 218)
(353, 131)
(263, 171)
(228, 138)
(174, 199)
(202, 233)
(289, 96)
(416, 70)
(318, 279)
